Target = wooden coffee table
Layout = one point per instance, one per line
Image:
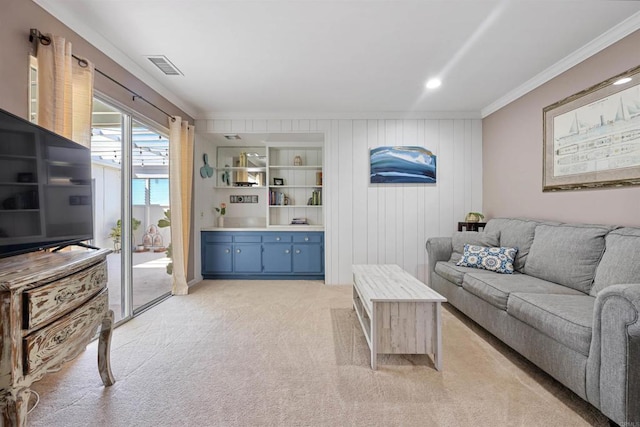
(398, 313)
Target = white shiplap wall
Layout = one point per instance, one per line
(381, 224)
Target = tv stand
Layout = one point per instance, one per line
(81, 244)
(51, 306)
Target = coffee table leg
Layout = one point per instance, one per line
(438, 327)
(374, 337)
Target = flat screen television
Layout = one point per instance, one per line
(45, 188)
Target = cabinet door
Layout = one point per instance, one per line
(247, 258)
(276, 258)
(307, 258)
(217, 258)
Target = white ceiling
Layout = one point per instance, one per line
(321, 57)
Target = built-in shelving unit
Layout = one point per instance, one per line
(240, 167)
(295, 185)
(287, 180)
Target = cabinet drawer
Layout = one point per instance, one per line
(217, 238)
(253, 238)
(307, 238)
(46, 303)
(66, 338)
(277, 238)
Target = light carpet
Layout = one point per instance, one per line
(291, 353)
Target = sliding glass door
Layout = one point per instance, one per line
(131, 174)
(149, 204)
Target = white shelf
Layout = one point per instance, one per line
(295, 206)
(294, 167)
(295, 186)
(233, 187)
(235, 169)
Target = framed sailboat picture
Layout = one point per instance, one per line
(592, 138)
(402, 165)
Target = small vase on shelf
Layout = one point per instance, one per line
(220, 221)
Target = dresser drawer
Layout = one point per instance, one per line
(48, 302)
(66, 338)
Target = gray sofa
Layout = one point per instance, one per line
(571, 306)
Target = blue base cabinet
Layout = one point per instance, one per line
(262, 255)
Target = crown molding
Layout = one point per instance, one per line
(601, 42)
(99, 42)
(371, 115)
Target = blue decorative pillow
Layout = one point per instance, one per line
(499, 259)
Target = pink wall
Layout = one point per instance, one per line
(17, 17)
(512, 151)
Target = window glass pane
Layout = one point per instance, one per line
(159, 192)
(138, 192)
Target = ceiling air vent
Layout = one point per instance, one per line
(163, 63)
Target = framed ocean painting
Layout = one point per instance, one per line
(402, 165)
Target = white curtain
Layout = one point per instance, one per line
(181, 137)
(65, 91)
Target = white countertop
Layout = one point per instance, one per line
(270, 228)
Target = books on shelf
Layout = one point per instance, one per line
(278, 198)
(299, 221)
(316, 198)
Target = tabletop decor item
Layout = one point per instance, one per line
(474, 217)
(222, 210)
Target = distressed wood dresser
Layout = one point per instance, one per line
(51, 306)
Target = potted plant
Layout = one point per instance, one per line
(162, 223)
(116, 232)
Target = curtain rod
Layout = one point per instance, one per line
(35, 35)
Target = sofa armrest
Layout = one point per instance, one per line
(613, 368)
(438, 249)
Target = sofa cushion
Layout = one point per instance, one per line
(461, 238)
(498, 259)
(566, 254)
(452, 272)
(620, 262)
(514, 233)
(567, 319)
(495, 288)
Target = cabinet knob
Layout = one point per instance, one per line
(278, 238)
(298, 251)
(287, 251)
(238, 251)
(306, 239)
(226, 251)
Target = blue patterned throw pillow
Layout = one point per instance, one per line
(499, 259)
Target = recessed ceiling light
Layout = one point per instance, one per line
(622, 81)
(433, 83)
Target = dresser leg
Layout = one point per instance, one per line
(104, 350)
(14, 406)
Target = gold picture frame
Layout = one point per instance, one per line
(592, 138)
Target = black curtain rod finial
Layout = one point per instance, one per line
(36, 36)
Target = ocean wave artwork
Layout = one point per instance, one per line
(402, 165)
